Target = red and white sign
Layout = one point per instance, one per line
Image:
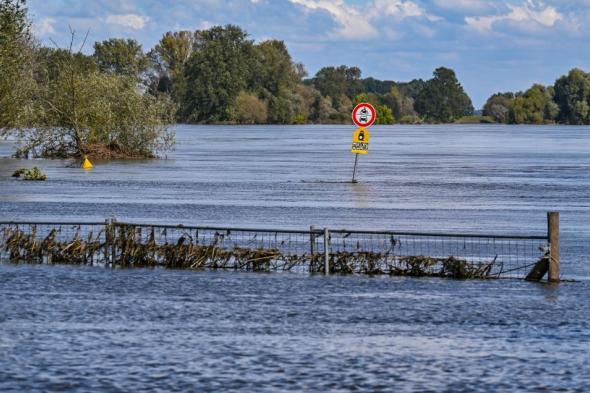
(364, 115)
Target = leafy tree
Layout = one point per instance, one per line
(274, 75)
(401, 105)
(16, 65)
(49, 60)
(533, 107)
(169, 58)
(81, 110)
(572, 95)
(384, 113)
(338, 81)
(498, 107)
(372, 85)
(215, 73)
(411, 89)
(249, 109)
(121, 57)
(443, 98)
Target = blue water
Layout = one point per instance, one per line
(94, 329)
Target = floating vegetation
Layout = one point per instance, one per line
(33, 174)
(19, 172)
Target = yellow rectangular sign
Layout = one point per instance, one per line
(360, 141)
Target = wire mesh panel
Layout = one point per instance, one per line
(215, 248)
(458, 256)
(68, 243)
(342, 251)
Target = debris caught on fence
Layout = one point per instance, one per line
(348, 252)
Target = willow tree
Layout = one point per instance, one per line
(16, 66)
(83, 111)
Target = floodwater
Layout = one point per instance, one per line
(94, 329)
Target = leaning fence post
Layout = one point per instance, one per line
(553, 238)
(326, 251)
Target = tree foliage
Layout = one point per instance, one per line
(120, 56)
(16, 65)
(443, 99)
(249, 109)
(84, 111)
(64, 104)
(535, 106)
(215, 74)
(498, 107)
(572, 96)
(169, 58)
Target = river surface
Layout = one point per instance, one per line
(94, 329)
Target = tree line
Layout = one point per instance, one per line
(120, 100)
(219, 75)
(566, 102)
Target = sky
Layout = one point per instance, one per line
(492, 45)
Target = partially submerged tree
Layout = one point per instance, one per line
(88, 112)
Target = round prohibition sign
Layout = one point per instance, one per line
(364, 115)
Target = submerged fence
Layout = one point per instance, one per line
(113, 243)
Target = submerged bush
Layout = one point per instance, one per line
(30, 174)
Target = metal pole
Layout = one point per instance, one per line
(356, 158)
(326, 251)
(553, 238)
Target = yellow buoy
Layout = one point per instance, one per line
(86, 164)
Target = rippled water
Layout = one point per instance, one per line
(94, 329)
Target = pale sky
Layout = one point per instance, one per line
(493, 45)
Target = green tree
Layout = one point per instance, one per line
(535, 106)
(249, 109)
(215, 74)
(274, 75)
(121, 57)
(401, 105)
(443, 99)
(169, 58)
(384, 113)
(81, 110)
(498, 107)
(338, 81)
(572, 96)
(16, 66)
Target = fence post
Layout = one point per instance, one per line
(553, 238)
(326, 251)
(113, 242)
(107, 241)
(311, 240)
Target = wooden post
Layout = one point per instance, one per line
(311, 240)
(553, 239)
(113, 242)
(107, 241)
(326, 251)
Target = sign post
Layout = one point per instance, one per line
(363, 115)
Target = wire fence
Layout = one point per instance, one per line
(113, 243)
